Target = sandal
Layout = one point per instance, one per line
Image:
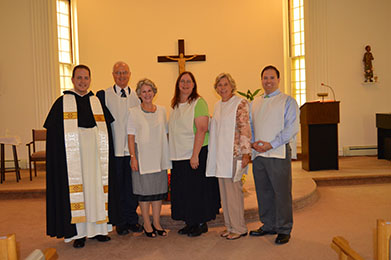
(224, 233)
(233, 236)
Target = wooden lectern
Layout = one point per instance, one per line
(319, 135)
(383, 124)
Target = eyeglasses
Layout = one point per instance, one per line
(182, 81)
(119, 73)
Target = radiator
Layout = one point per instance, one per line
(360, 150)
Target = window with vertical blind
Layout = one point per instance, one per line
(297, 51)
(65, 46)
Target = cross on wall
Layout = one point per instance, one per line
(181, 58)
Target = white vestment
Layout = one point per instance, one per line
(268, 120)
(221, 138)
(150, 130)
(92, 187)
(87, 165)
(119, 108)
(181, 133)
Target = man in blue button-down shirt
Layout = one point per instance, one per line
(275, 121)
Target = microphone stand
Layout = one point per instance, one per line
(329, 88)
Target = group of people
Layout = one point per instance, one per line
(108, 154)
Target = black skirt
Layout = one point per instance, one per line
(154, 197)
(195, 198)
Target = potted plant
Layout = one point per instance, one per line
(249, 96)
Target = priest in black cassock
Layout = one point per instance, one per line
(77, 164)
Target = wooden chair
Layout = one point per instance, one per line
(14, 141)
(36, 156)
(8, 247)
(383, 239)
(343, 249)
(8, 250)
(345, 252)
(47, 254)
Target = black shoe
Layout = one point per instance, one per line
(185, 230)
(121, 230)
(136, 228)
(101, 238)
(159, 232)
(282, 239)
(149, 234)
(197, 230)
(79, 243)
(260, 232)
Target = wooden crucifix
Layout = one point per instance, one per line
(181, 58)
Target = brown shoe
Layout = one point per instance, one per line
(224, 233)
(233, 236)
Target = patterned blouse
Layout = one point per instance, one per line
(242, 142)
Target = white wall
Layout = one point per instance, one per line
(17, 116)
(28, 68)
(337, 35)
(237, 37)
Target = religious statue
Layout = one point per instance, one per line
(368, 68)
(181, 61)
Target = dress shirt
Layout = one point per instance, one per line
(117, 90)
(290, 126)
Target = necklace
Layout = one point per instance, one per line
(149, 109)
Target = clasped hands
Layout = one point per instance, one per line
(261, 146)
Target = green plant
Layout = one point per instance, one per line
(249, 96)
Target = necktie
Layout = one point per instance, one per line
(123, 93)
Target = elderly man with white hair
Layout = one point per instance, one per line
(119, 99)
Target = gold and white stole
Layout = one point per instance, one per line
(72, 148)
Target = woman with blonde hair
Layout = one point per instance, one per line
(229, 153)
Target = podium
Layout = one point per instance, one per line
(383, 124)
(319, 135)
